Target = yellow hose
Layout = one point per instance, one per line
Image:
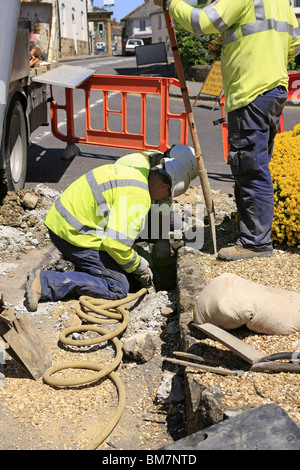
(111, 311)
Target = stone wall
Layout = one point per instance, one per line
(67, 47)
(203, 405)
(197, 73)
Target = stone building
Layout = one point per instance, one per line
(74, 28)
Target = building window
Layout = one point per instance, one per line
(142, 25)
(63, 20)
(159, 22)
(296, 4)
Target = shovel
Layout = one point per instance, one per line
(23, 343)
(198, 154)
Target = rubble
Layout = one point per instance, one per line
(22, 215)
(140, 346)
(170, 389)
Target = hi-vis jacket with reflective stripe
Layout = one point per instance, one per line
(105, 209)
(138, 159)
(260, 37)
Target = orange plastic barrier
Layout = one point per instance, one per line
(293, 95)
(105, 137)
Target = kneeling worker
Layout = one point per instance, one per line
(94, 224)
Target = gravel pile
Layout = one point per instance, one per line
(283, 271)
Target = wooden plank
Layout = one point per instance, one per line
(241, 349)
(25, 345)
(203, 367)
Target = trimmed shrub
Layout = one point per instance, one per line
(285, 172)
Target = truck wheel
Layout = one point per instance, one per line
(15, 147)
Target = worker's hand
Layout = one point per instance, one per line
(143, 273)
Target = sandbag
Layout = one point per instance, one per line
(229, 302)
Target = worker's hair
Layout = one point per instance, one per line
(160, 177)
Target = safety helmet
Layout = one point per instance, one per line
(177, 174)
(185, 155)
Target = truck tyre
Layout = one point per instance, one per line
(15, 147)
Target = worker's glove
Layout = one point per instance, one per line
(162, 3)
(143, 273)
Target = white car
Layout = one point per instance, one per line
(131, 44)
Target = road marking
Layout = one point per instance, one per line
(81, 111)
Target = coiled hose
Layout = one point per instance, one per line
(111, 311)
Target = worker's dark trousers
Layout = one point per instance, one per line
(96, 275)
(251, 133)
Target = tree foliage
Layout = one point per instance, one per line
(196, 50)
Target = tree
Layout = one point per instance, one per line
(198, 50)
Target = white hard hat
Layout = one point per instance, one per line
(179, 177)
(185, 155)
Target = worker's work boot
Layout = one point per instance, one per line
(33, 290)
(237, 252)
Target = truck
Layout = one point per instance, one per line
(29, 47)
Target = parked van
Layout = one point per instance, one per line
(100, 47)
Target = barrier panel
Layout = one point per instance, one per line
(142, 86)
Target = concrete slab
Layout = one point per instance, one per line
(266, 427)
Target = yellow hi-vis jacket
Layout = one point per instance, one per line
(105, 209)
(260, 37)
(138, 159)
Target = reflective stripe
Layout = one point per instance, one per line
(261, 24)
(75, 223)
(98, 195)
(98, 189)
(267, 25)
(131, 263)
(230, 37)
(112, 184)
(296, 33)
(259, 10)
(195, 21)
(215, 18)
(83, 229)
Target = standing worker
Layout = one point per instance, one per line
(260, 37)
(94, 224)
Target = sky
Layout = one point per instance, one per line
(121, 7)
